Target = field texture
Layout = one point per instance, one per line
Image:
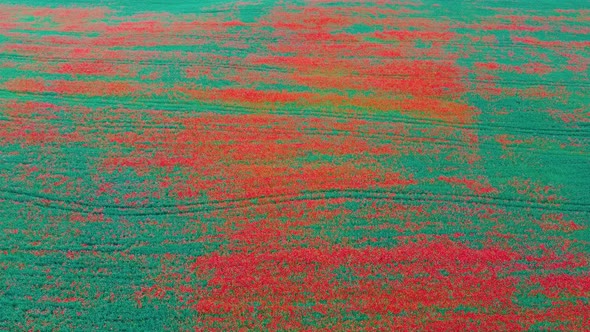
(294, 165)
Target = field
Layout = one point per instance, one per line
(294, 165)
